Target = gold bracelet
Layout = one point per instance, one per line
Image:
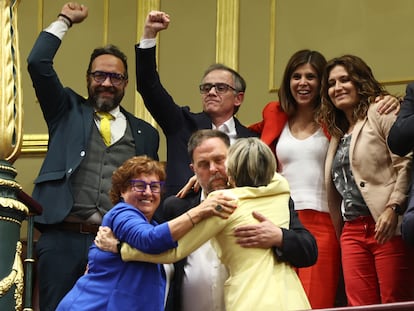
(191, 219)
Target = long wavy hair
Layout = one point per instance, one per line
(367, 88)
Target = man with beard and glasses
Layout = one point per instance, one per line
(198, 282)
(75, 177)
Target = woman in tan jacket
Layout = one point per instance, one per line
(366, 185)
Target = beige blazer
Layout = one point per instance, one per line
(381, 176)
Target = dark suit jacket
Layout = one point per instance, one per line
(401, 142)
(69, 119)
(299, 245)
(177, 123)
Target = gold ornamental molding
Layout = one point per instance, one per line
(227, 33)
(272, 47)
(11, 219)
(39, 15)
(15, 277)
(34, 144)
(9, 169)
(9, 184)
(105, 21)
(14, 204)
(11, 111)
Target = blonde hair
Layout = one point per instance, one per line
(250, 162)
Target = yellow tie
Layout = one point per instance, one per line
(105, 126)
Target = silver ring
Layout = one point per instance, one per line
(218, 208)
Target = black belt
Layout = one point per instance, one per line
(76, 227)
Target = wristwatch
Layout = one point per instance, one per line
(397, 209)
(119, 246)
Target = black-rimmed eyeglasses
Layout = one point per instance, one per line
(221, 88)
(100, 77)
(138, 185)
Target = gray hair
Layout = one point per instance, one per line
(250, 162)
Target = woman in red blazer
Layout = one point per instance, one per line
(299, 142)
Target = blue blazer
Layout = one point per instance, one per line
(178, 123)
(69, 118)
(114, 285)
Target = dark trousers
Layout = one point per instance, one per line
(62, 258)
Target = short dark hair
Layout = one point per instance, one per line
(201, 135)
(109, 50)
(238, 80)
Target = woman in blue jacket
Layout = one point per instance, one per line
(110, 283)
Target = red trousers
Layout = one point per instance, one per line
(374, 273)
(320, 281)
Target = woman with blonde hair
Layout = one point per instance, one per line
(257, 280)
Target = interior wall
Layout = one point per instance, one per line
(269, 31)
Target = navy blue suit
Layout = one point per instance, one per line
(178, 123)
(62, 254)
(401, 142)
(69, 118)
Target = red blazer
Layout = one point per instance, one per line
(270, 128)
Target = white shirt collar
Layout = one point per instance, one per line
(116, 112)
(229, 128)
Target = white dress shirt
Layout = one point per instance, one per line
(204, 277)
(229, 128)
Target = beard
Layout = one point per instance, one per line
(217, 182)
(103, 103)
